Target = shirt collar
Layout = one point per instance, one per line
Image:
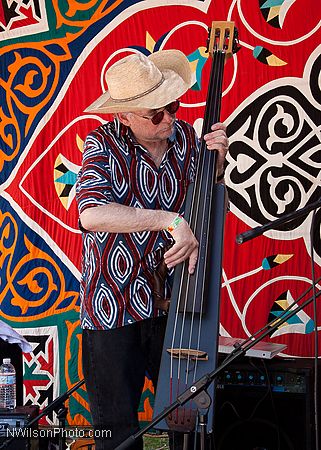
(124, 132)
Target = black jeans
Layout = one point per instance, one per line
(114, 366)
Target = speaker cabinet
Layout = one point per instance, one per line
(265, 405)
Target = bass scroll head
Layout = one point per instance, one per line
(223, 36)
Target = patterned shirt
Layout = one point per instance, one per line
(117, 268)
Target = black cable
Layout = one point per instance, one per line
(230, 404)
(316, 344)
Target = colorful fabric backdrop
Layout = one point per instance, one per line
(53, 59)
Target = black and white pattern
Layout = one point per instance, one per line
(274, 163)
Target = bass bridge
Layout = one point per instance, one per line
(186, 353)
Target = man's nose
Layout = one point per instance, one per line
(168, 117)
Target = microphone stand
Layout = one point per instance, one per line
(274, 224)
(58, 405)
(200, 386)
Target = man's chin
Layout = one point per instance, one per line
(167, 130)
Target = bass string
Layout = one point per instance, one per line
(204, 173)
(212, 164)
(203, 170)
(197, 318)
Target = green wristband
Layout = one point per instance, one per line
(174, 224)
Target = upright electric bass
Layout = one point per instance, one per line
(191, 339)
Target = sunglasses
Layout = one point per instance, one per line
(156, 119)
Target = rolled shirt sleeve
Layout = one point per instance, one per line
(94, 187)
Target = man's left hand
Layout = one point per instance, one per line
(217, 140)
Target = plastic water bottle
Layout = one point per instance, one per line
(7, 384)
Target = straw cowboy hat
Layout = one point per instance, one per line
(140, 82)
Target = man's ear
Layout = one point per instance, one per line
(123, 118)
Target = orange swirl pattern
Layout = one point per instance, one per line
(17, 96)
(25, 273)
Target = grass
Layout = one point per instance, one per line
(156, 442)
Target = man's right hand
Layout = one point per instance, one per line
(117, 218)
(185, 247)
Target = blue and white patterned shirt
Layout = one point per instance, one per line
(117, 268)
